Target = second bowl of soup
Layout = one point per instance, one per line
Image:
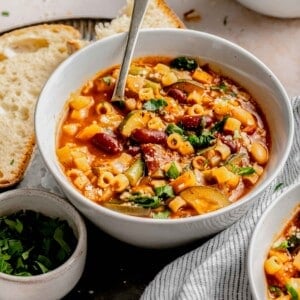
(192, 144)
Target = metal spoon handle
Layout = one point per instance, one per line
(139, 9)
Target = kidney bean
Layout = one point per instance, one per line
(206, 121)
(191, 122)
(144, 136)
(133, 149)
(232, 144)
(178, 95)
(107, 143)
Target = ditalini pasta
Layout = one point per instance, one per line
(185, 141)
(282, 265)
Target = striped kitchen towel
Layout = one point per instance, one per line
(218, 269)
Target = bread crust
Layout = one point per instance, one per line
(27, 58)
(170, 13)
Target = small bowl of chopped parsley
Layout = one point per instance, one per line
(43, 244)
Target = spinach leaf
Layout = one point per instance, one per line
(146, 201)
(172, 128)
(202, 141)
(184, 63)
(218, 127)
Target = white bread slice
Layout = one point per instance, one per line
(158, 15)
(27, 58)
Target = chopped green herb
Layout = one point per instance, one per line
(242, 171)
(278, 186)
(12, 162)
(184, 63)
(218, 127)
(275, 290)
(172, 128)
(5, 13)
(155, 104)
(245, 171)
(146, 201)
(173, 171)
(283, 245)
(107, 80)
(202, 141)
(31, 243)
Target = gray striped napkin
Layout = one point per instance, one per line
(218, 269)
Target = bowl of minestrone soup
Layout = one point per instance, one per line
(203, 129)
(274, 252)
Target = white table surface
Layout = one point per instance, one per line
(274, 41)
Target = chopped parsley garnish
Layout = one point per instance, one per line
(107, 80)
(242, 171)
(155, 104)
(202, 141)
(221, 87)
(145, 201)
(12, 162)
(276, 291)
(32, 243)
(245, 171)
(278, 186)
(5, 13)
(218, 127)
(172, 128)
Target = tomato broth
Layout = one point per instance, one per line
(185, 141)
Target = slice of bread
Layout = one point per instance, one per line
(158, 15)
(27, 58)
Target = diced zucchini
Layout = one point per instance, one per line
(188, 86)
(137, 211)
(135, 119)
(204, 198)
(135, 171)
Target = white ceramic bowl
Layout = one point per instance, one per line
(274, 8)
(58, 282)
(269, 226)
(232, 60)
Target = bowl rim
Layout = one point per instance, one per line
(262, 219)
(180, 32)
(79, 222)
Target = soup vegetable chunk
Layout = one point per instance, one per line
(185, 141)
(282, 266)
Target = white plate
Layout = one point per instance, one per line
(269, 226)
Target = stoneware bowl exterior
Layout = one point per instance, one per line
(274, 8)
(222, 55)
(269, 226)
(56, 283)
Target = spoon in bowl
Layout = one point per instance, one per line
(139, 9)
